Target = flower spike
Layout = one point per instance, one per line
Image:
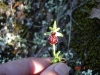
(53, 39)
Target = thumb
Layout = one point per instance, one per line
(56, 69)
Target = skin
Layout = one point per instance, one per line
(32, 66)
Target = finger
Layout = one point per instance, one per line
(56, 69)
(39, 64)
(26, 66)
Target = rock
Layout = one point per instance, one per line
(8, 13)
(20, 7)
(1, 11)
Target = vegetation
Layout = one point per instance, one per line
(23, 24)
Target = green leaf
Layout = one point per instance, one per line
(60, 57)
(57, 54)
(55, 60)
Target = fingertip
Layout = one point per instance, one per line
(61, 69)
(56, 69)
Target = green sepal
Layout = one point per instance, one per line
(57, 29)
(59, 34)
(51, 28)
(54, 25)
(47, 33)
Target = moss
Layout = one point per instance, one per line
(86, 40)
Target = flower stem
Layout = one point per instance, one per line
(54, 49)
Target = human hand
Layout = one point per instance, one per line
(33, 66)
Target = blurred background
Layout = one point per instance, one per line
(24, 22)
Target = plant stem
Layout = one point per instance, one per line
(54, 49)
(24, 32)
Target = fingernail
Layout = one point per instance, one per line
(61, 69)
